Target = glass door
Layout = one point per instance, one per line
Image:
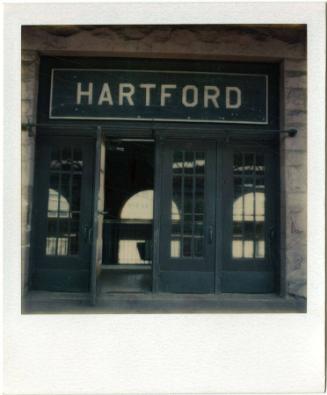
(187, 220)
(62, 222)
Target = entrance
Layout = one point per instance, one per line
(128, 216)
(165, 186)
(161, 215)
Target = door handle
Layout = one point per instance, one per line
(210, 234)
(88, 234)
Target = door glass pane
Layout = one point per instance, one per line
(187, 205)
(249, 206)
(64, 197)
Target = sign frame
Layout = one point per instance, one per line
(154, 119)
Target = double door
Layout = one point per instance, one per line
(218, 218)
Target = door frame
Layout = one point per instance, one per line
(97, 214)
(161, 134)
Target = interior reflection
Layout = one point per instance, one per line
(249, 206)
(248, 212)
(53, 243)
(64, 201)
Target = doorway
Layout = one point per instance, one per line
(128, 216)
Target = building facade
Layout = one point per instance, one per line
(164, 167)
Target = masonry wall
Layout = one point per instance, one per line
(29, 85)
(257, 44)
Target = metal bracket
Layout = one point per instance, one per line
(292, 132)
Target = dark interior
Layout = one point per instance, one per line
(127, 229)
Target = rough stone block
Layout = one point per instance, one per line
(295, 99)
(27, 141)
(29, 56)
(27, 110)
(295, 202)
(295, 158)
(28, 90)
(28, 71)
(160, 35)
(296, 258)
(26, 194)
(295, 65)
(184, 37)
(295, 79)
(25, 234)
(27, 151)
(296, 230)
(131, 33)
(26, 174)
(296, 282)
(294, 178)
(296, 116)
(296, 143)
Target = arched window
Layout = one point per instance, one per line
(138, 207)
(134, 245)
(136, 216)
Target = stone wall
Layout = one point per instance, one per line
(30, 64)
(294, 178)
(247, 43)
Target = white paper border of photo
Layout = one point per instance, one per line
(171, 353)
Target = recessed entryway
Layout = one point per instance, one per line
(128, 217)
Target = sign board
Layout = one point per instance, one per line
(151, 95)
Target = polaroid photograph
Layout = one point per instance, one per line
(164, 200)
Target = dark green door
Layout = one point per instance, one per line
(187, 220)
(62, 226)
(218, 218)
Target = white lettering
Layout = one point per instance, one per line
(105, 95)
(147, 88)
(126, 91)
(211, 93)
(194, 102)
(88, 93)
(229, 90)
(165, 94)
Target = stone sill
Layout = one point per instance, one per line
(40, 302)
